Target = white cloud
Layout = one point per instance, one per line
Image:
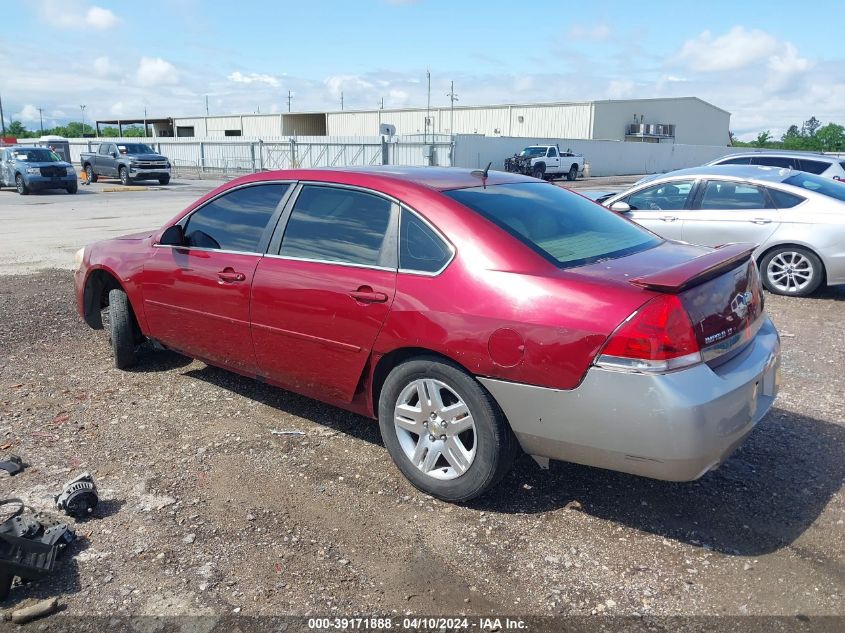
(67, 15)
(251, 78)
(597, 32)
(105, 67)
(737, 48)
(620, 88)
(154, 71)
(28, 114)
(347, 84)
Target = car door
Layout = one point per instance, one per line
(730, 211)
(320, 297)
(196, 296)
(662, 207)
(104, 161)
(552, 161)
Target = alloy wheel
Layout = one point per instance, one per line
(790, 272)
(435, 428)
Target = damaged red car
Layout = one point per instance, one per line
(473, 314)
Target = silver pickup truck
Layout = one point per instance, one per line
(127, 161)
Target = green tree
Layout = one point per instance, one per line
(810, 126)
(17, 129)
(830, 138)
(133, 131)
(763, 139)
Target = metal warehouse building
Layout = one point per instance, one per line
(687, 120)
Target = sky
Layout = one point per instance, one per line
(769, 63)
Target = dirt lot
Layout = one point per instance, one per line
(206, 512)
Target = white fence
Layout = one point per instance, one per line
(606, 158)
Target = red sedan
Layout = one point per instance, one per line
(472, 314)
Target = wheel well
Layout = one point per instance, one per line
(100, 282)
(540, 166)
(790, 245)
(398, 356)
(575, 166)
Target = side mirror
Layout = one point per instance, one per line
(620, 207)
(173, 236)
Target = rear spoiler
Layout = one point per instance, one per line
(696, 271)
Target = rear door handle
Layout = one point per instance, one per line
(228, 275)
(365, 294)
(761, 221)
(669, 218)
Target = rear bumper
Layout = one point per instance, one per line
(674, 426)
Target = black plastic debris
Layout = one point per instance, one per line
(79, 496)
(12, 464)
(29, 545)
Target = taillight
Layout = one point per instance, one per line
(657, 337)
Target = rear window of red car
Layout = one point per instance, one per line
(565, 228)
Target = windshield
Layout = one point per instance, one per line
(36, 155)
(824, 186)
(564, 227)
(135, 148)
(533, 151)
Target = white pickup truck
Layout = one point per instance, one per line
(547, 162)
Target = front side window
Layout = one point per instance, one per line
(236, 220)
(420, 248)
(333, 224)
(721, 194)
(552, 152)
(565, 228)
(669, 196)
(825, 186)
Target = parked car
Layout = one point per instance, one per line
(825, 165)
(546, 162)
(796, 219)
(471, 313)
(127, 161)
(35, 169)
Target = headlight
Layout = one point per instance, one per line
(33, 170)
(70, 171)
(78, 257)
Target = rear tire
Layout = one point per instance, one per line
(488, 448)
(20, 185)
(123, 329)
(89, 172)
(164, 180)
(792, 271)
(572, 174)
(124, 177)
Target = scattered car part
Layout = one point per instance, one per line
(286, 432)
(12, 465)
(35, 611)
(79, 496)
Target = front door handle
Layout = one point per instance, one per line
(669, 218)
(365, 294)
(228, 275)
(761, 220)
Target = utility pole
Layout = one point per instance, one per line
(452, 98)
(427, 107)
(381, 104)
(82, 108)
(41, 120)
(290, 98)
(341, 101)
(2, 118)
(206, 105)
(145, 122)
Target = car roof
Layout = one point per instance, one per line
(780, 152)
(438, 178)
(746, 172)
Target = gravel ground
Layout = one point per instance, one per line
(204, 511)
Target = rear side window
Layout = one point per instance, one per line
(785, 200)
(743, 160)
(420, 248)
(772, 161)
(236, 220)
(565, 228)
(824, 186)
(813, 166)
(720, 194)
(332, 224)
